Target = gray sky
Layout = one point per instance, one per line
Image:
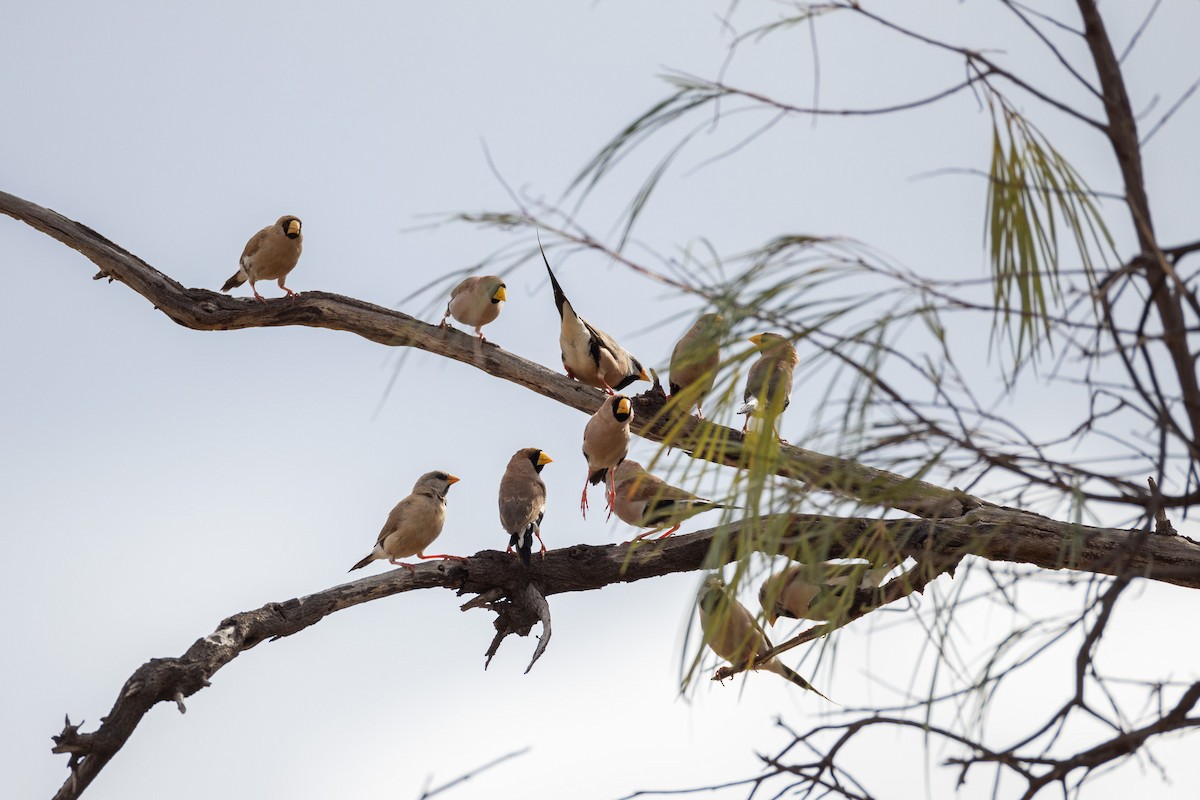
(157, 480)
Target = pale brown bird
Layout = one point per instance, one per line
(590, 355)
(794, 591)
(769, 381)
(695, 359)
(269, 255)
(647, 501)
(605, 443)
(414, 523)
(734, 634)
(523, 501)
(476, 302)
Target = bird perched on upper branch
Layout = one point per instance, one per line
(476, 302)
(695, 359)
(523, 501)
(605, 443)
(270, 254)
(590, 355)
(647, 501)
(414, 523)
(732, 633)
(769, 381)
(793, 592)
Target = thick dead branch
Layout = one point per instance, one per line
(993, 533)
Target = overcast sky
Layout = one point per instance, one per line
(157, 479)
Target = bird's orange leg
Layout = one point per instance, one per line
(610, 494)
(442, 555)
(290, 293)
(479, 333)
(395, 563)
(543, 544)
(668, 533)
(583, 503)
(257, 296)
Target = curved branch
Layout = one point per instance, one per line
(201, 309)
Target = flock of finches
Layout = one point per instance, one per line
(594, 358)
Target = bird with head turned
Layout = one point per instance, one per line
(769, 380)
(816, 591)
(523, 501)
(695, 359)
(605, 443)
(414, 523)
(734, 634)
(647, 501)
(271, 254)
(476, 301)
(589, 355)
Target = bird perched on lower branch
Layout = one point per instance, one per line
(523, 501)
(605, 443)
(270, 254)
(647, 501)
(476, 302)
(732, 633)
(811, 591)
(414, 523)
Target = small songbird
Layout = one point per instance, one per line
(476, 302)
(523, 501)
(270, 255)
(793, 591)
(769, 382)
(732, 633)
(695, 359)
(590, 355)
(646, 501)
(605, 443)
(414, 523)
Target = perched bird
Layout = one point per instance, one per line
(732, 633)
(523, 501)
(414, 523)
(769, 382)
(695, 359)
(792, 592)
(646, 501)
(269, 256)
(605, 443)
(590, 355)
(476, 302)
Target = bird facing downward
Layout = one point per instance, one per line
(590, 355)
(732, 633)
(794, 592)
(605, 443)
(695, 359)
(270, 255)
(769, 381)
(476, 302)
(414, 523)
(523, 501)
(647, 501)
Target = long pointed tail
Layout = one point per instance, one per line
(560, 299)
(362, 563)
(776, 666)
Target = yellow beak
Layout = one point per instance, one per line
(756, 338)
(500, 296)
(544, 459)
(623, 406)
(293, 227)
